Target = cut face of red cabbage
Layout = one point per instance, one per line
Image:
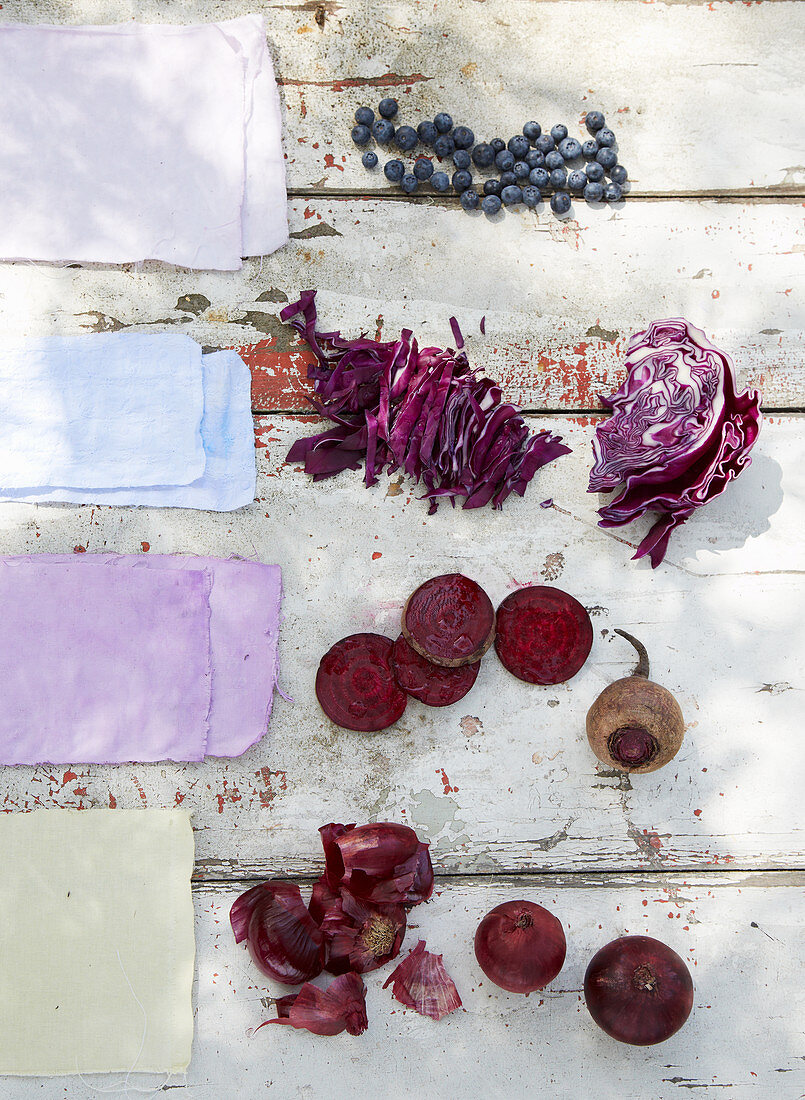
(678, 434)
(425, 412)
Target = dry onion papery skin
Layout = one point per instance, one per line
(421, 982)
(520, 946)
(340, 1007)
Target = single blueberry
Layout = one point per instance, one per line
(589, 149)
(369, 159)
(511, 195)
(388, 107)
(531, 196)
(440, 181)
(406, 138)
(619, 175)
(558, 132)
(382, 131)
(393, 170)
(605, 139)
(492, 187)
(423, 168)
(613, 192)
(534, 158)
(607, 158)
(560, 202)
(521, 170)
(505, 160)
(461, 158)
(469, 199)
(443, 122)
(365, 116)
(507, 179)
(554, 159)
(577, 180)
(491, 204)
(570, 148)
(463, 137)
(545, 143)
(361, 135)
(498, 145)
(409, 183)
(461, 180)
(532, 130)
(540, 178)
(594, 192)
(594, 121)
(559, 178)
(595, 171)
(518, 146)
(444, 146)
(427, 132)
(483, 155)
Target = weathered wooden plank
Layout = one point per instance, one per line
(742, 938)
(560, 301)
(702, 95)
(504, 780)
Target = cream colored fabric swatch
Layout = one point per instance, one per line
(96, 941)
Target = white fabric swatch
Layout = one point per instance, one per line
(134, 142)
(97, 920)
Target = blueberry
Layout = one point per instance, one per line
(558, 132)
(393, 170)
(423, 168)
(540, 178)
(469, 199)
(361, 135)
(443, 122)
(382, 131)
(521, 170)
(491, 204)
(365, 116)
(534, 158)
(483, 155)
(507, 179)
(560, 202)
(498, 144)
(577, 180)
(594, 192)
(492, 187)
(463, 137)
(461, 158)
(369, 160)
(607, 158)
(594, 121)
(406, 138)
(559, 178)
(409, 183)
(570, 148)
(613, 192)
(518, 146)
(440, 181)
(388, 107)
(589, 149)
(532, 130)
(461, 180)
(554, 159)
(595, 171)
(511, 195)
(531, 196)
(427, 132)
(505, 160)
(619, 175)
(605, 139)
(444, 146)
(545, 143)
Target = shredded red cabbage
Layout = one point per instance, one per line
(678, 434)
(426, 412)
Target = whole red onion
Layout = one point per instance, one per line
(520, 946)
(638, 990)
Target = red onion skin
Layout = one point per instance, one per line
(638, 990)
(283, 939)
(520, 946)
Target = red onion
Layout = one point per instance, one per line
(361, 937)
(520, 946)
(422, 983)
(340, 1007)
(283, 939)
(384, 863)
(638, 990)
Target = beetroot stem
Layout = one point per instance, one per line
(642, 667)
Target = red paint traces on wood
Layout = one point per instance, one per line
(308, 213)
(446, 782)
(329, 161)
(179, 799)
(146, 546)
(697, 813)
(112, 801)
(79, 549)
(140, 790)
(272, 783)
(716, 294)
(376, 555)
(387, 80)
(80, 791)
(68, 778)
(279, 375)
(228, 794)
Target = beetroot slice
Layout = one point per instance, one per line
(544, 635)
(449, 620)
(436, 685)
(355, 684)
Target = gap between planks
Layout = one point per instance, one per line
(739, 195)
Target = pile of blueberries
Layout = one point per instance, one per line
(529, 165)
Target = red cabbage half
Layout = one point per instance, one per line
(678, 434)
(426, 412)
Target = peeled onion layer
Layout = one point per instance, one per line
(520, 946)
(638, 990)
(434, 685)
(284, 941)
(355, 684)
(421, 982)
(544, 635)
(449, 620)
(340, 1007)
